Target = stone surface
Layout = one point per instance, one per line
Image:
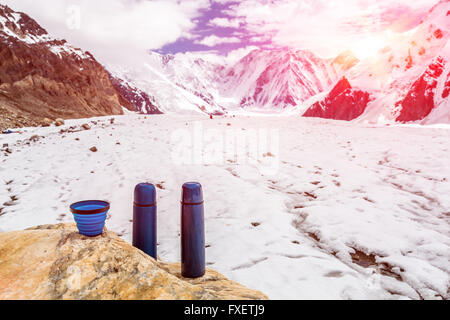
(56, 262)
(46, 122)
(59, 122)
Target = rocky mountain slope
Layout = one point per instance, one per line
(140, 101)
(407, 81)
(42, 77)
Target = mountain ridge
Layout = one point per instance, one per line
(44, 77)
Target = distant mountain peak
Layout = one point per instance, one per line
(19, 23)
(277, 78)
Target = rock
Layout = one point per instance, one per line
(93, 149)
(85, 126)
(59, 122)
(342, 103)
(34, 138)
(419, 101)
(46, 122)
(56, 262)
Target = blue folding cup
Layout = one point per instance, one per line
(90, 216)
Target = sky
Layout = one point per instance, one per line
(118, 31)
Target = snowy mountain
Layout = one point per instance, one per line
(274, 79)
(44, 77)
(264, 79)
(180, 84)
(407, 81)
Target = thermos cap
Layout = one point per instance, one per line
(192, 193)
(145, 194)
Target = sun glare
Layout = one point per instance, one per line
(369, 46)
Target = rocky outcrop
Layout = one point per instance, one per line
(41, 77)
(342, 103)
(446, 91)
(56, 262)
(420, 100)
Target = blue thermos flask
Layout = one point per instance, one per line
(144, 219)
(192, 231)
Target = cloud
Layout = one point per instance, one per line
(115, 30)
(118, 31)
(224, 1)
(325, 26)
(213, 40)
(225, 23)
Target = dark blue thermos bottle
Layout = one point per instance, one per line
(192, 231)
(144, 219)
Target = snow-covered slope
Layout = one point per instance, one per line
(140, 101)
(353, 211)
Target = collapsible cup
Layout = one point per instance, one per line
(192, 231)
(145, 219)
(90, 216)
